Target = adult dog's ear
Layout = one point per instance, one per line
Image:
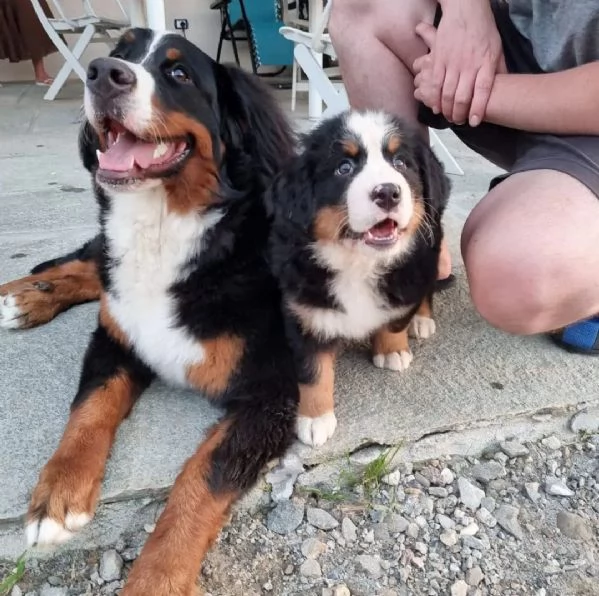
(89, 143)
(436, 186)
(257, 137)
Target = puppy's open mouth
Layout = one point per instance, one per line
(129, 158)
(383, 234)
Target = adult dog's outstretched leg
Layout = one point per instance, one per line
(51, 288)
(256, 430)
(67, 491)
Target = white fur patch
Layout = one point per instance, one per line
(363, 309)
(46, 532)
(316, 431)
(398, 361)
(422, 327)
(10, 314)
(372, 130)
(151, 249)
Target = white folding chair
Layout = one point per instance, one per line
(91, 28)
(307, 44)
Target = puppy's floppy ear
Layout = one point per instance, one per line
(436, 186)
(89, 143)
(258, 138)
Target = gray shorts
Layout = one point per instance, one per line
(520, 151)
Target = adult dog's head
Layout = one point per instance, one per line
(159, 111)
(364, 183)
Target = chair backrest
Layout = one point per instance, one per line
(88, 10)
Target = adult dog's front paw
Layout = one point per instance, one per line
(26, 303)
(316, 431)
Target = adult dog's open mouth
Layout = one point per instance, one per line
(128, 158)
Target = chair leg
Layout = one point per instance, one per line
(453, 167)
(294, 75)
(233, 40)
(71, 62)
(222, 36)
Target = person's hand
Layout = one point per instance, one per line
(456, 77)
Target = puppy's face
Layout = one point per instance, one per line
(367, 184)
(152, 105)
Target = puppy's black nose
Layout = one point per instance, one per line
(386, 196)
(109, 77)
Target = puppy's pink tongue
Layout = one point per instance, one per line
(383, 229)
(128, 151)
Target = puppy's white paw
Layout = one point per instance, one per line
(316, 431)
(422, 327)
(11, 316)
(47, 532)
(398, 361)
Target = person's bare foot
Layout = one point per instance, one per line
(41, 74)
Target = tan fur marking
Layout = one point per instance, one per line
(329, 222)
(393, 143)
(42, 296)
(173, 54)
(109, 323)
(318, 398)
(222, 356)
(171, 558)
(71, 480)
(386, 341)
(350, 147)
(425, 309)
(129, 36)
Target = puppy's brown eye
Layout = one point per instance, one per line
(345, 168)
(179, 74)
(398, 163)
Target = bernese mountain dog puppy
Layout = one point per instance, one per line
(355, 239)
(180, 150)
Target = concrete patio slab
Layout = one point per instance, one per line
(467, 379)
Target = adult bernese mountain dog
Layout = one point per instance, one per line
(355, 241)
(181, 151)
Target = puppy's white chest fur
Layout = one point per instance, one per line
(363, 309)
(150, 249)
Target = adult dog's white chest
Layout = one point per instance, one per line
(362, 310)
(150, 249)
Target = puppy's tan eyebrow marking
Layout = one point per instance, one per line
(173, 54)
(350, 147)
(129, 36)
(393, 143)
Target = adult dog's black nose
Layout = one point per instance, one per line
(109, 77)
(386, 196)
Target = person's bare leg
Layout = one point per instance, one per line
(41, 74)
(530, 249)
(376, 45)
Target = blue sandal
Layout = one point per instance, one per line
(582, 337)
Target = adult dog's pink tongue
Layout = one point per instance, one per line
(129, 150)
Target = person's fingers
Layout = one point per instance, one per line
(463, 97)
(482, 91)
(421, 63)
(427, 33)
(450, 84)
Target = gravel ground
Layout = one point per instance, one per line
(522, 519)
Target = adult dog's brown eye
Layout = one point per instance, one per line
(179, 74)
(344, 168)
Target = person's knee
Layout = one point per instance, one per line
(347, 16)
(509, 289)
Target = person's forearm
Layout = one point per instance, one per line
(565, 102)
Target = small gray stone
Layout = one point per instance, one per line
(349, 530)
(585, 421)
(54, 581)
(48, 590)
(149, 528)
(319, 518)
(556, 487)
(392, 479)
(574, 526)
(282, 478)
(310, 568)
(446, 476)
(285, 517)
(474, 576)
(507, 518)
(312, 548)
(513, 448)
(341, 590)
(532, 491)
(488, 503)
(95, 577)
(552, 443)
(449, 537)
(445, 522)
(470, 495)
(111, 565)
(413, 530)
(438, 491)
(484, 516)
(370, 565)
(422, 480)
(397, 523)
(459, 588)
(16, 591)
(130, 554)
(487, 471)
(470, 530)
